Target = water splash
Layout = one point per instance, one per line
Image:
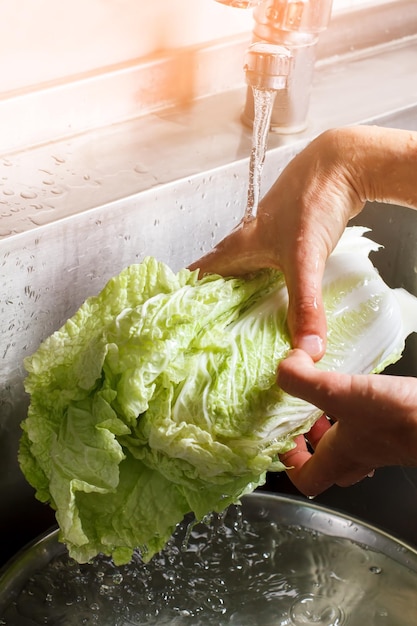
(226, 571)
(316, 610)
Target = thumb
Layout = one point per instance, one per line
(307, 325)
(296, 373)
(331, 392)
(306, 317)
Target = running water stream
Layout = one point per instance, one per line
(263, 105)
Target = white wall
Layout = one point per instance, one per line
(46, 40)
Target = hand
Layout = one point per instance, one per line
(297, 226)
(302, 217)
(375, 424)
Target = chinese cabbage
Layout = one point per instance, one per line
(159, 396)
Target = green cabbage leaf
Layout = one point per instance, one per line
(159, 398)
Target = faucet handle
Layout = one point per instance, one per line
(267, 66)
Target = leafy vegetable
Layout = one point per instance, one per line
(158, 397)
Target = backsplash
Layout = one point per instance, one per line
(46, 41)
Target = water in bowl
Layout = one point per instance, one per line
(227, 570)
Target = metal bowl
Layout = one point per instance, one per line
(274, 560)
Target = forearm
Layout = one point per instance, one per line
(380, 163)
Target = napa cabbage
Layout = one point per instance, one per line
(159, 398)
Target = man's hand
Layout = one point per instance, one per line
(298, 224)
(302, 217)
(374, 424)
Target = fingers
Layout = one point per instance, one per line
(327, 466)
(307, 322)
(296, 458)
(304, 471)
(317, 431)
(223, 259)
(334, 460)
(328, 391)
(296, 374)
(237, 254)
(313, 473)
(244, 251)
(376, 422)
(299, 461)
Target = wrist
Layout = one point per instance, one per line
(379, 163)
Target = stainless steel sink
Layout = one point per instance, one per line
(171, 184)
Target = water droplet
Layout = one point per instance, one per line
(117, 578)
(216, 604)
(57, 191)
(28, 195)
(374, 569)
(140, 169)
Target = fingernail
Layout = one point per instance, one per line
(312, 344)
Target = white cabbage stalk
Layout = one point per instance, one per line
(368, 322)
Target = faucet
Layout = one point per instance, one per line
(296, 26)
(267, 66)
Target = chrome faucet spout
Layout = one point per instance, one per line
(294, 25)
(267, 69)
(267, 66)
